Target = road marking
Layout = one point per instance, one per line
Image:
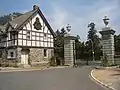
(99, 82)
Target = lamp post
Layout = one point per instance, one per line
(93, 53)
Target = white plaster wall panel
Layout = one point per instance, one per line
(28, 26)
(45, 38)
(33, 33)
(19, 36)
(24, 36)
(41, 34)
(28, 43)
(51, 44)
(51, 36)
(24, 32)
(25, 27)
(8, 36)
(33, 43)
(41, 38)
(41, 21)
(20, 31)
(48, 35)
(9, 28)
(45, 44)
(41, 44)
(37, 34)
(51, 40)
(48, 44)
(19, 42)
(15, 42)
(24, 42)
(33, 37)
(37, 42)
(37, 38)
(46, 29)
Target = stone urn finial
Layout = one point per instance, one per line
(68, 28)
(106, 21)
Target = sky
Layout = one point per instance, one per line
(77, 13)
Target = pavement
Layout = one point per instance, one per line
(12, 69)
(53, 79)
(109, 77)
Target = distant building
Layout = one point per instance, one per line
(27, 39)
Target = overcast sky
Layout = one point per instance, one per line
(78, 13)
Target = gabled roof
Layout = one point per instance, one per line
(2, 29)
(18, 22)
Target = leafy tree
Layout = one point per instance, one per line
(93, 42)
(4, 19)
(59, 45)
(78, 46)
(117, 44)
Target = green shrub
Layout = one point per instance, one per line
(52, 61)
(105, 61)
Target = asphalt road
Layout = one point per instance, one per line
(54, 79)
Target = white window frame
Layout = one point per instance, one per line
(9, 54)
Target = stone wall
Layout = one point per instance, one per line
(18, 56)
(36, 56)
(5, 62)
(68, 52)
(108, 44)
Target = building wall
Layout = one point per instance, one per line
(37, 38)
(36, 56)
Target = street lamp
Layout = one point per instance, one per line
(93, 53)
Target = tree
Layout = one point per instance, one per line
(59, 45)
(117, 43)
(93, 42)
(4, 19)
(78, 47)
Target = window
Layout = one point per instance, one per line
(0, 54)
(11, 54)
(45, 52)
(28, 34)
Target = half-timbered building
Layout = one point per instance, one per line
(28, 39)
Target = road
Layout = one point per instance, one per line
(54, 79)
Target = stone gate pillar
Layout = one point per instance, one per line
(69, 49)
(108, 42)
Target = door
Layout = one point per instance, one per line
(24, 57)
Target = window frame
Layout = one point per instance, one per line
(45, 53)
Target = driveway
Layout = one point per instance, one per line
(54, 79)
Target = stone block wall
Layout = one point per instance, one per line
(68, 52)
(36, 56)
(108, 44)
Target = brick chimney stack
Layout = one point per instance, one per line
(35, 7)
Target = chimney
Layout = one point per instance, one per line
(12, 16)
(35, 7)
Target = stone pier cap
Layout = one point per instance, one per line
(107, 30)
(70, 37)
